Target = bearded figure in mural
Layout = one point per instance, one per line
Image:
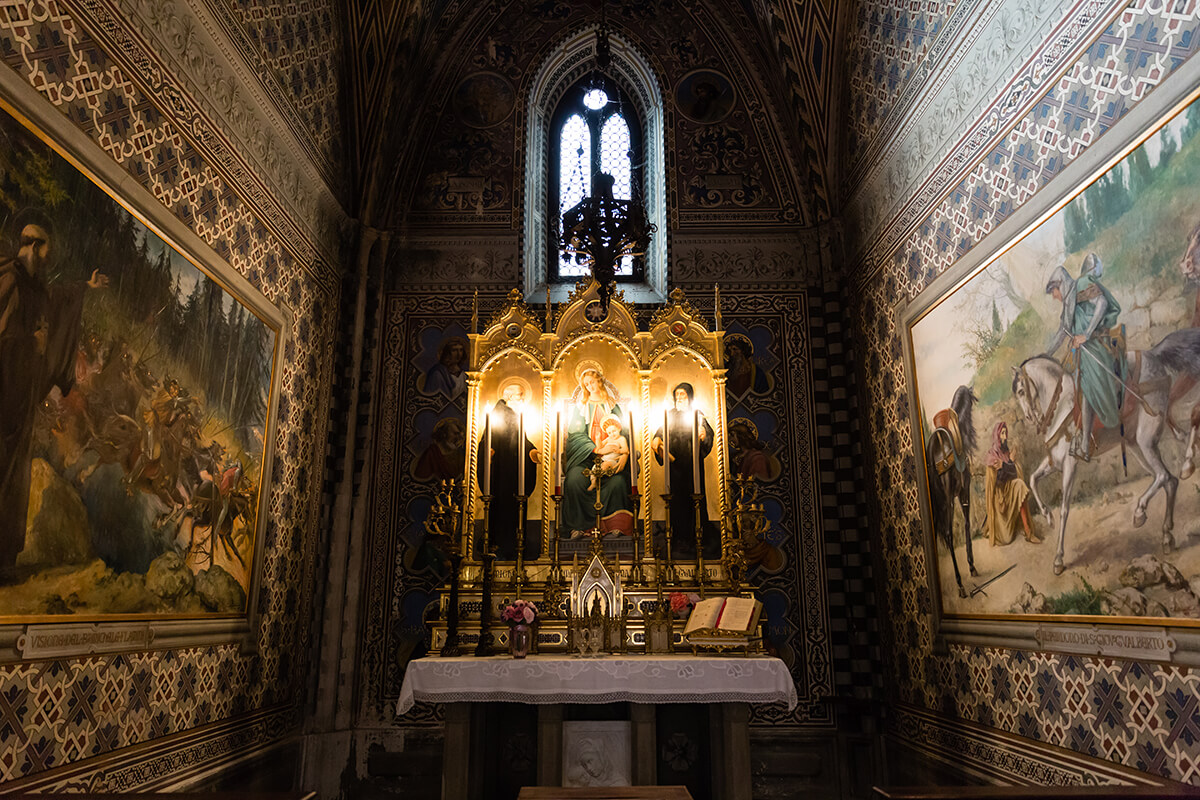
(39, 333)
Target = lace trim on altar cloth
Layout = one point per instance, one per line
(554, 680)
(502, 696)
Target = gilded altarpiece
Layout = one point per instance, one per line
(762, 417)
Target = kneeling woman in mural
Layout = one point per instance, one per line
(1005, 493)
(594, 400)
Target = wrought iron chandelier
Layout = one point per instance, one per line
(600, 230)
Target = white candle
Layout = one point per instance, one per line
(666, 451)
(632, 451)
(486, 455)
(521, 454)
(696, 453)
(559, 453)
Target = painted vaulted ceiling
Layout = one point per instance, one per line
(405, 57)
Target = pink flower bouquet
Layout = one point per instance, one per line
(519, 612)
(683, 602)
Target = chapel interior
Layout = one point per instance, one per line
(389, 177)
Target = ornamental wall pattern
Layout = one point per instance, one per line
(750, 142)
(1009, 157)
(1130, 713)
(54, 713)
(300, 44)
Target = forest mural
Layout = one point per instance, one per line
(134, 393)
(1066, 374)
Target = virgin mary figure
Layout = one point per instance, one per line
(594, 400)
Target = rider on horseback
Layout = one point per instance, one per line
(1089, 312)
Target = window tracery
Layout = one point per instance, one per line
(579, 122)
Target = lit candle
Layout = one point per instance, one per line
(696, 452)
(558, 454)
(486, 455)
(632, 452)
(521, 454)
(667, 450)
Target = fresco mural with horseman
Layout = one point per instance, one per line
(1059, 399)
(134, 395)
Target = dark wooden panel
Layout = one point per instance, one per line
(1041, 792)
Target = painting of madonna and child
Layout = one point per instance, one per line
(134, 395)
(1059, 398)
(595, 426)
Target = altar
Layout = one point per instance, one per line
(727, 684)
(596, 508)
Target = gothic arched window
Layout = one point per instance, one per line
(593, 129)
(566, 141)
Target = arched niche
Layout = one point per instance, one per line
(571, 60)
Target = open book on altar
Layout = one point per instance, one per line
(730, 615)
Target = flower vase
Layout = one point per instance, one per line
(520, 639)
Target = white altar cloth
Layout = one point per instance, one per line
(550, 679)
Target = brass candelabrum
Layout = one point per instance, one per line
(669, 568)
(484, 645)
(519, 577)
(556, 573)
(444, 525)
(636, 576)
(747, 527)
(597, 474)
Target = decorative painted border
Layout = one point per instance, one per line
(260, 73)
(885, 228)
(1000, 757)
(169, 760)
(280, 199)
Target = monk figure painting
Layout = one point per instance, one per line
(134, 399)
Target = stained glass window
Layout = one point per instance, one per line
(593, 128)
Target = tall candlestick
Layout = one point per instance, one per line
(521, 453)
(696, 452)
(666, 451)
(486, 455)
(558, 455)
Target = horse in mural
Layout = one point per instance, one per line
(948, 470)
(1189, 267)
(1046, 394)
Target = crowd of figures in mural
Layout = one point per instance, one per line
(133, 404)
(1059, 402)
(595, 419)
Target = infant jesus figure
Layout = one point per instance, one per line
(614, 450)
